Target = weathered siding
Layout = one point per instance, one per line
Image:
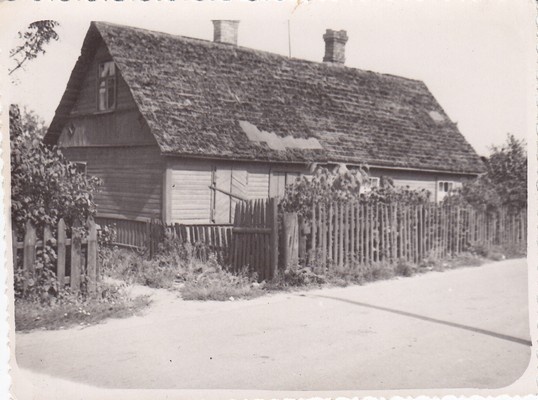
(190, 196)
(258, 181)
(192, 200)
(113, 129)
(86, 126)
(117, 147)
(132, 179)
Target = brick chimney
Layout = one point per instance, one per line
(335, 46)
(225, 31)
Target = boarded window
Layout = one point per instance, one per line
(107, 86)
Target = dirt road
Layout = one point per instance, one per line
(461, 328)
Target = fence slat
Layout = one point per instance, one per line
(274, 237)
(330, 234)
(29, 253)
(92, 258)
(352, 234)
(60, 254)
(76, 254)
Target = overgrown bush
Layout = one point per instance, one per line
(326, 187)
(40, 285)
(323, 187)
(45, 186)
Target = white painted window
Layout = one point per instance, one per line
(444, 188)
(107, 86)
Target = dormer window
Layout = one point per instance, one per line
(107, 86)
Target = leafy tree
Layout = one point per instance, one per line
(33, 124)
(507, 170)
(44, 185)
(34, 39)
(503, 185)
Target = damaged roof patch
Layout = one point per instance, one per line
(276, 142)
(436, 116)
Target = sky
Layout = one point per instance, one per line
(476, 57)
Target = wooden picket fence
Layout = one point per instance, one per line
(353, 233)
(137, 233)
(205, 239)
(255, 237)
(335, 234)
(250, 242)
(76, 262)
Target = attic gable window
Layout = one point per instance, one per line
(107, 86)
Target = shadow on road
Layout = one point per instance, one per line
(434, 320)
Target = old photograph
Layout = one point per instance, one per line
(254, 200)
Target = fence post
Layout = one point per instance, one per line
(149, 237)
(29, 253)
(290, 249)
(92, 258)
(302, 238)
(274, 236)
(74, 280)
(60, 262)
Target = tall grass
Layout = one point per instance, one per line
(177, 266)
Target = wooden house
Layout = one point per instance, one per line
(181, 128)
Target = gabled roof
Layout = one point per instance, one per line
(207, 99)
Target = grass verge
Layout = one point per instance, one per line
(178, 268)
(70, 311)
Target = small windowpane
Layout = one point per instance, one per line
(102, 99)
(446, 187)
(107, 86)
(111, 96)
(106, 69)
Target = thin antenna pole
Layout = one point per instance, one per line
(289, 40)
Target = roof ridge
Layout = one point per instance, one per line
(211, 43)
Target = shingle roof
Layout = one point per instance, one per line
(197, 97)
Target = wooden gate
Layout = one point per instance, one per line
(255, 237)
